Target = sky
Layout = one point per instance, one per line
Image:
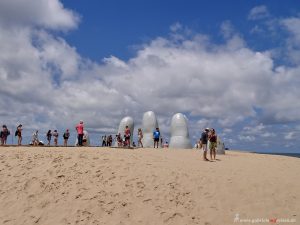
(230, 65)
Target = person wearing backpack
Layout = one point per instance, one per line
(204, 139)
(4, 134)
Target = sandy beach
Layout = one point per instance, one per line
(57, 186)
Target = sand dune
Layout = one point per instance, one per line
(53, 186)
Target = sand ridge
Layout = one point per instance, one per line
(40, 185)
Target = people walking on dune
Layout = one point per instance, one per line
(212, 137)
(204, 139)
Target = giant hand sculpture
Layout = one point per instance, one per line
(149, 124)
(179, 132)
(126, 121)
(220, 147)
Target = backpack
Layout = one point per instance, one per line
(16, 133)
(66, 135)
(204, 137)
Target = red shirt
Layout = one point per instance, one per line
(127, 132)
(79, 128)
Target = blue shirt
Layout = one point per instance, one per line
(156, 134)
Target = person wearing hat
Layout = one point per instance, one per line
(79, 129)
(204, 139)
(66, 137)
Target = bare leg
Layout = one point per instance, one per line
(205, 156)
(20, 140)
(215, 154)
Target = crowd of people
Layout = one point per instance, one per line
(107, 140)
(207, 136)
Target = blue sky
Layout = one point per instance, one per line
(121, 25)
(231, 65)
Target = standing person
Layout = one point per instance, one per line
(204, 139)
(79, 129)
(49, 135)
(18, 133)
(66, 137)
(166, 145)
(212, 137)
(140, 137)
(107, 140)
(119, 140)
(127, 135)
(156, 135)
(35, 138)
(103, 141)
(55, 135)
(110, 139)
(4, 134)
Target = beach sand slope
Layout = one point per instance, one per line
(58, 186)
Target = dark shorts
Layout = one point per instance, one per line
(156, 139)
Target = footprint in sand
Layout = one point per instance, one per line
(173, 216)
(141, 184)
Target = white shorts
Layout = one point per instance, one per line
(204, 147)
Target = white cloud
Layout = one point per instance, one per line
(227, 29)
(176, 27)
(258, 12)
(45, 13)
(268, 134)
(292, 25)
(254, 130)
(246, 138)
(289, 135)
